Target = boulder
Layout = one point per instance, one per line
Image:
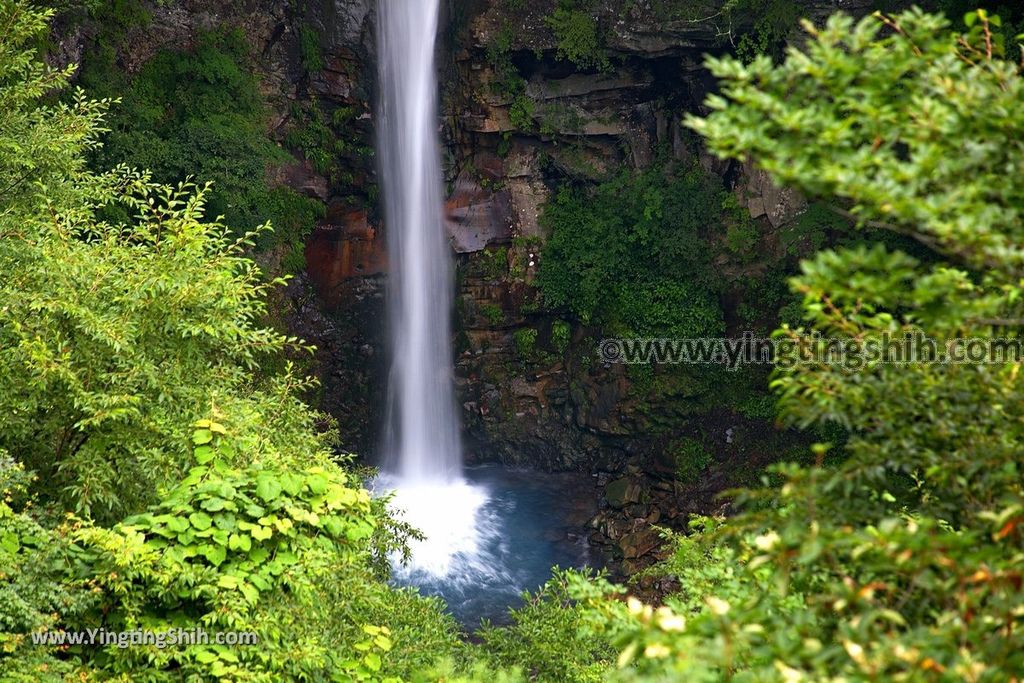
(639, 543)
(621, 492)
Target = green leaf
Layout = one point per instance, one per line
(214, 553)
(291, 483)
(225, 520)
(213, 504)
(203, 454)
(200, 520)
(317, 483)
(177, 524)
(240, 542)
(228, 581)
(268, 487)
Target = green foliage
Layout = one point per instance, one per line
(525, 340)
(223, 549)
(325, 140)
(521, 112)
(907, 180)
(741, 239)
(774, 20)
(757, 407)
(1011, 25)
(630, 253)
(492, 313)
(32, 596)
(508, 82)
(561, 335)
(546, 638)
(576, 31)
(741, 234)
(310, 53)
(749, 27)
(807, 234)
(114, 333)
(279, 553)
(200, 114)
(691, 457)
(494, 263)
(900, 560)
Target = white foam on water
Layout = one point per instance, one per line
(464, 552)
(447, 513)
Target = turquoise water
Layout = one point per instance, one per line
(495, 534)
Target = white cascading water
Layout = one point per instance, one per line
(423, 440)
(423, 457)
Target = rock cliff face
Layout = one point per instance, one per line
(530, 389)
(532, 393)
(556, 408)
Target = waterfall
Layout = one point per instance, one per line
(422, 438)
(467, 553)
(423, 457)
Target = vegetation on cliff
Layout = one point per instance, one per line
(160, 472)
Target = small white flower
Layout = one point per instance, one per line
(634, 605)
(669, 621)
(767, 541)
(717, 606)
(656, 651)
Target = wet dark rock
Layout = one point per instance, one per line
(639, 543)
(622, 492)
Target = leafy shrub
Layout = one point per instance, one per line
(577, 34)
(774, 20)
(209, 551)
(630, 253)
(494, 264)
(758, 407)
(691, 457)
(116, 332)
(34, 594)
(309, 50)
(525, 340)
(546, 638)
(521, 112)
(808, 232)
(561, 333)
(492, 313)
(201, 114)
(282, 554)
(741, 233)
(161, 316)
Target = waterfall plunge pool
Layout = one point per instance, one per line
(492, 535)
